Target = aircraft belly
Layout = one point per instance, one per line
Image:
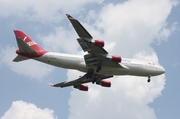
(71, 62)
(60, 61)
(133, 70)
(67, 63)
(142, 71)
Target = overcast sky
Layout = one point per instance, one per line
(141, 29)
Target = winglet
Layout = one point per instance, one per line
(69, 16)
(51, 84)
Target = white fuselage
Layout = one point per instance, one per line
(134, 67)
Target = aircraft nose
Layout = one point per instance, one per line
(161, 70)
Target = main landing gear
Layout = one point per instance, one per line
(94, 80)
(90, 74)
(149, 79)
(98, 68)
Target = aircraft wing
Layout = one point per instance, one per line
(97, 54)
(85, 38)
(81, 80)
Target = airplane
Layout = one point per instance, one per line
(97, 64)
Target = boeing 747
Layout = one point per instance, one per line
(97, 64)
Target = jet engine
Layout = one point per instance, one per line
(99, 43)
(105, 83)
(116, 58)
(82, 87)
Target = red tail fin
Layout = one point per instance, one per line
(27, 47)
(22, 36)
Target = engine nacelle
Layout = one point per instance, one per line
(105, 83)
(116, 58)
(82, 87)
(99, 43)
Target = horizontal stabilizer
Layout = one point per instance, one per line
(20, 58)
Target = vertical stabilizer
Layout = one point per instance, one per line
(27, 47)
(26, 44)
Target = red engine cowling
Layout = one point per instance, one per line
(99, 43)
(82, 87)
(105, 83)
(116, 58)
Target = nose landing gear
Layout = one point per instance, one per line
(149, 79)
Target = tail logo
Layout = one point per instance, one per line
(25, 38)
(31, 43)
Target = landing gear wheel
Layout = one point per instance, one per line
(149, 79)
(94, 80)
